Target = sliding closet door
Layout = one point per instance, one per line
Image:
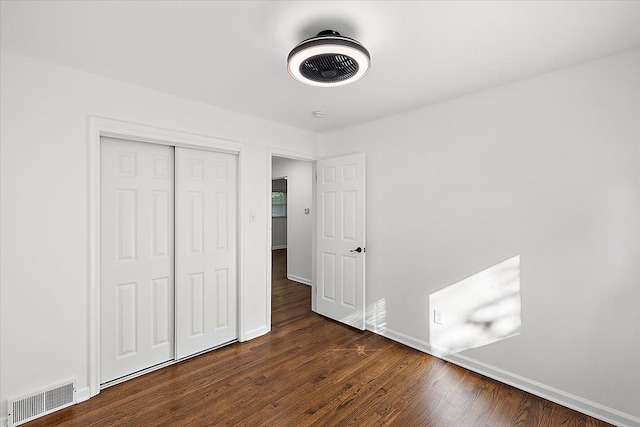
(205, 250)
(136, 243)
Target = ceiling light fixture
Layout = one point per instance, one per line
(328, 60)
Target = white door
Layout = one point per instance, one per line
(341, 239)
(205, 250)
(136, 244)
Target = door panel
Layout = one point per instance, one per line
(136, 284)
(340, 230)
(205, 250)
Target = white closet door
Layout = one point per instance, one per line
(205, 250)
(136, 238)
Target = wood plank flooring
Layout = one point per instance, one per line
(311, 371)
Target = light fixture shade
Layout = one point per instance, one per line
(328, 60)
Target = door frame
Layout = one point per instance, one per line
(292, 155)
(99, 127)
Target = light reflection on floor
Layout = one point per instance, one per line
(377, 316)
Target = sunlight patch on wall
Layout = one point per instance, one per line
(476, 311)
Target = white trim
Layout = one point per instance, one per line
(553, 394)
(257, 332)
(289, 154)
(293, 155)
(98, 127)
(547, 392)
(83, 394)
(299, 280)
(94, 255)
(240, 230)
(399, 337)
(314, 235)
(278, 247)
(143, 133)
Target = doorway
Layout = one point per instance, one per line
(338, 237)
(292, 226)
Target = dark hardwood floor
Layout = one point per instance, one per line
(310, 371)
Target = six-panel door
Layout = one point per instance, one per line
(341, 231)
(205, 250)
(137, 277)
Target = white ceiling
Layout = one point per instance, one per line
(233, 54)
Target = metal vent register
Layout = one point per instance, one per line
(42, 403)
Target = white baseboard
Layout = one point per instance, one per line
(275, 248)
(552, 394)
(83, 394)
(399, 337)
(299, 279)
(545, 391)
(255, 333)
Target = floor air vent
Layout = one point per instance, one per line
(39, 404)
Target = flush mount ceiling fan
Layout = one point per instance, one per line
(328, 59)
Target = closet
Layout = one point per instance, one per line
(168, 254)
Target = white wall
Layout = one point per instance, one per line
(547, 169)
(279, 232)
(44, 216)
(299, 225)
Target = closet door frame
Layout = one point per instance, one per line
(99, 127)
